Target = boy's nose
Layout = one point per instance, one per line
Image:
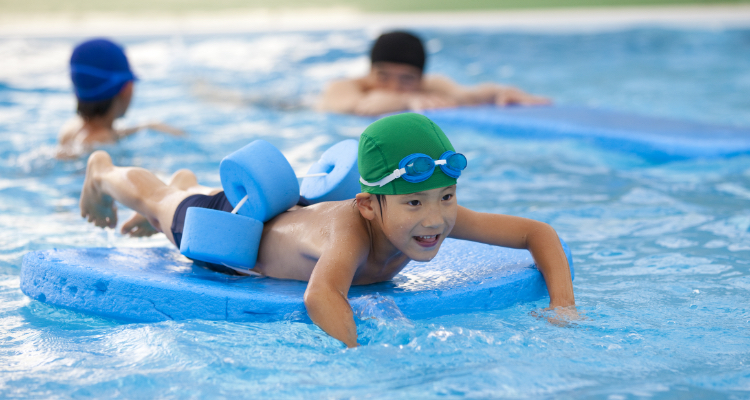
(433, 220)
(393, 85)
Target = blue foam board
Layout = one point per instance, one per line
(658, 139)
(158, 284)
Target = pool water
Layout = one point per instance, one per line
(661, 250)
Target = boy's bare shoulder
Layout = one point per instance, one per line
(70, 130)
(343, 222)
(293, 242)
(75, 131)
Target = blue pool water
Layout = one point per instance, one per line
(660, 248)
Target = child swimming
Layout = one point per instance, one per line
(103, 85)
(396, 83)
(407, 208)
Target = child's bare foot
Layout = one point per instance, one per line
(98, 207)
(138, 226)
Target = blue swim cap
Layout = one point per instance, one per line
(99, 69)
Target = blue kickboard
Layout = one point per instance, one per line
(659, 139)
(158, 284)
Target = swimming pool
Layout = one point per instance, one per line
(661, 248)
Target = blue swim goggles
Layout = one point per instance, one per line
(418, 167)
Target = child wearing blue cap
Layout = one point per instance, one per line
(396, 83)
(103, 85)
(408, 176)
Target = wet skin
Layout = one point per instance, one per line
(407, 227)
(391, 87)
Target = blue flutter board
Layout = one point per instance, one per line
(658, 139)
(158, 284)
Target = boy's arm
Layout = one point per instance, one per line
(157, 126)
(486, 93)
(326, 294)
(522, 233)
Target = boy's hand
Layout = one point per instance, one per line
(559, 316)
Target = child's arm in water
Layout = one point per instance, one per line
(485, 93)
(78, 137)
(328, 288)
(522, 233)
(156, 126)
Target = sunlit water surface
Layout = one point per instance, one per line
(661, 250)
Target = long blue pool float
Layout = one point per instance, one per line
(657, 139)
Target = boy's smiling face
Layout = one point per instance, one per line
(417, 223)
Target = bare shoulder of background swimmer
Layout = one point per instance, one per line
(342, 96)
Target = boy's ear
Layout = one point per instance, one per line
(123, 99)
(127, 91)
(364, 204)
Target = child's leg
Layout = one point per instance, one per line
(184, 179)
(136, 188)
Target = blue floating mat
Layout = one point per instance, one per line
(658, 139)
(158, 284)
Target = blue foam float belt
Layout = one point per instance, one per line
(337, 174)
(261, 172)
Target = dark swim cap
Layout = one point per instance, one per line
(387, 141)
(99, 69)
(399, 47)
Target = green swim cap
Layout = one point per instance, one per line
(387, 141)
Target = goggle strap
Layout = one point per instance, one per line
(388, 179)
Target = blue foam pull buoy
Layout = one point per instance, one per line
(220, 237)
(261, 172)
(342, 180)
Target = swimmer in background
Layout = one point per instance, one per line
(103, 85)
(396, 83)
(333, 245)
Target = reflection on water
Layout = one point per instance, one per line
(661, 250)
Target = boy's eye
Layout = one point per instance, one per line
(447, 197)
(413, 203)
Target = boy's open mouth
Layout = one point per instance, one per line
(427, 240)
